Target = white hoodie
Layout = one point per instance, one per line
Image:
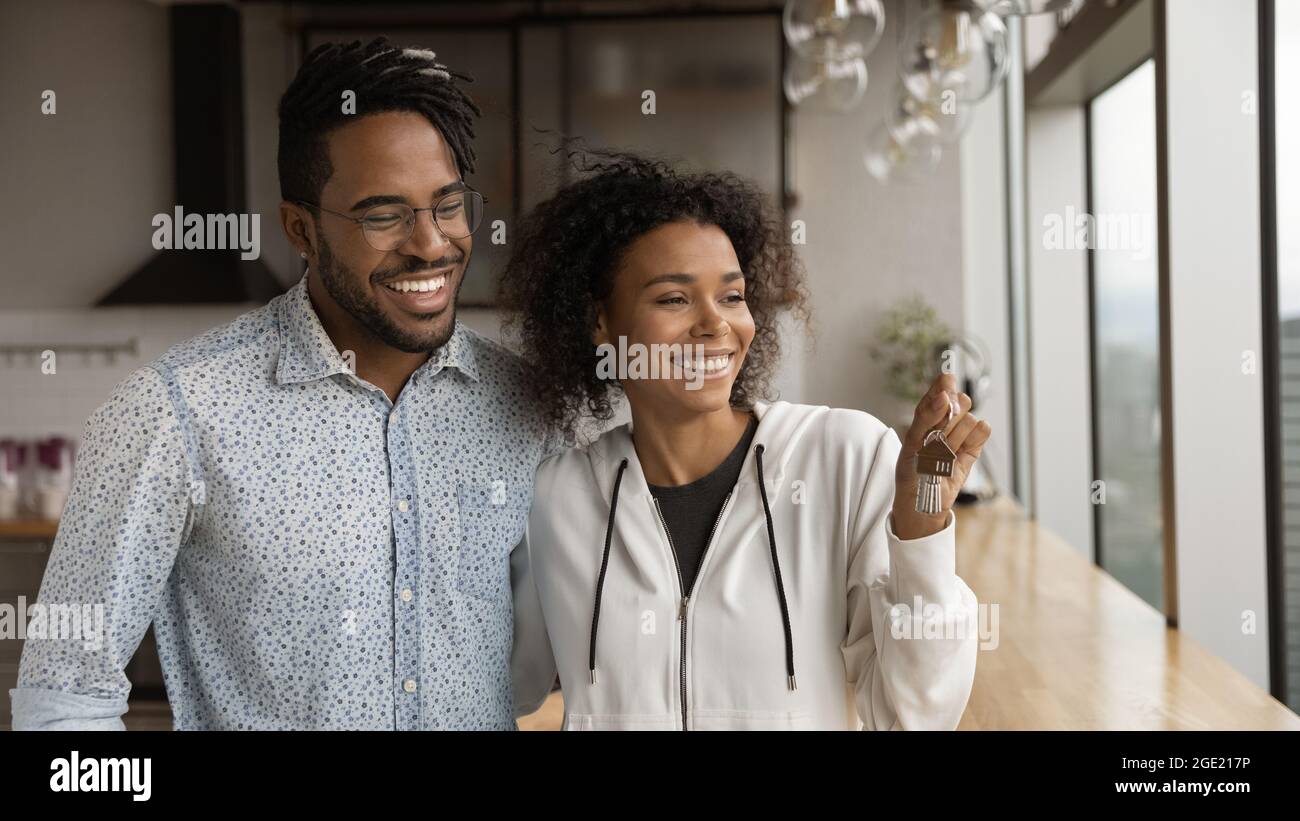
(719, 659)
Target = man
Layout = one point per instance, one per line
(315, 505)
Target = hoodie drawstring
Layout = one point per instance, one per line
(604, 564)
(776, 566)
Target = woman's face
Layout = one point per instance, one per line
(679, 293)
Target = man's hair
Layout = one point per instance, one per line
(384, 77)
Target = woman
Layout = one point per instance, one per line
(722, 562)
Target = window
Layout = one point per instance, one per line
(1125, 327)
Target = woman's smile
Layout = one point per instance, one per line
(710, 365)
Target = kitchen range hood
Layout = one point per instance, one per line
(208, 115)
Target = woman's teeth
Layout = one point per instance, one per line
(420, 285)
(708, 364)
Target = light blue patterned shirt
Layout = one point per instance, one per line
(311, 555)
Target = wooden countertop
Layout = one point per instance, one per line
(1079, 651)
(1076, 649)
(43, 529)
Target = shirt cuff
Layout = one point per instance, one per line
(926, 566)
(35, 708)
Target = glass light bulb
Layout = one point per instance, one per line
(906, 153)
(958, 47)
(821, 86)
(943, 119)
(833, 30)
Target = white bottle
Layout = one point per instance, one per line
(10, 494)
(54, 477)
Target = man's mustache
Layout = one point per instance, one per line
(417, 266)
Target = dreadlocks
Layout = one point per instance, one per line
(384, 77)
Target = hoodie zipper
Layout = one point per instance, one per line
(686, 594)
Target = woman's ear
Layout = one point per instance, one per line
(600, 336)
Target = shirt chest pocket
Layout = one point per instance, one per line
(492, 520)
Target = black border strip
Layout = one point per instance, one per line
(1094, 423)
(1270, 356)
(1168, 494)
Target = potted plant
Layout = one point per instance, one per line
(908, 343)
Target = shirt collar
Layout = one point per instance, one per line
(307, 353)
(458, 352)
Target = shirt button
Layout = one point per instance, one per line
(406, 594)
(403, 505)
(409, 685)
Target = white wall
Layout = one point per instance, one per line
(1214, 247)
(1061, 447)
(869, 245)
(81, 185)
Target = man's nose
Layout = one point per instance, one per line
(426, 240)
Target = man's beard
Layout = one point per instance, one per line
(353, 298)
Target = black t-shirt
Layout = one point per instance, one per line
(690, 511)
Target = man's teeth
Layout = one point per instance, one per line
(708, 364)
(420, 285)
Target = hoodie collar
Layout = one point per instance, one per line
(778, 429)
(307, 353)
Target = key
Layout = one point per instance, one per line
(933, 462)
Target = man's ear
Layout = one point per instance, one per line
(299, 228)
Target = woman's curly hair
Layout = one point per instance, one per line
(567, 250)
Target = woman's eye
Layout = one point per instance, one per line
(734, 298)
(672, 300)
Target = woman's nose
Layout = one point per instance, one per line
(710, 322)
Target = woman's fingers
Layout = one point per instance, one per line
(960, 414)
(932, 410)
(961, 426)
(964, 433)
(972, 445)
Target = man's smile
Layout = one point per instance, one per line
(427, 292)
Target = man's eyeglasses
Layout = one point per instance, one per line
(388, 227)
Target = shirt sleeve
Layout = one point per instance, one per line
(912, 640)
(532, 662)
(126, 517)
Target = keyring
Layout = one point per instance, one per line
(938, 430)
